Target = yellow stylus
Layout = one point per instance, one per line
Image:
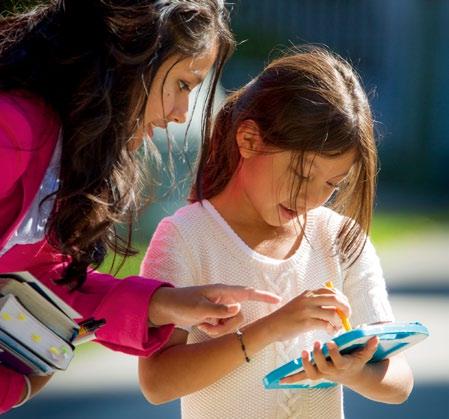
(343, 318)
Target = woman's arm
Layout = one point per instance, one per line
(13, 388)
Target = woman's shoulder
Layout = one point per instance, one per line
(26, 120)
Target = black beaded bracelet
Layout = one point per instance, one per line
(242, 345)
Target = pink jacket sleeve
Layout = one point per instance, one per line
(124, 305)
(11, 388)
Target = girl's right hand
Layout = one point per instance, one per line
(313, 309)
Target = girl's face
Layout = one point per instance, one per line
(270, 183)
(168, 99)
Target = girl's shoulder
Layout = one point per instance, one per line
(325, 218)
(26, 120)
(325, 223)
(189, 218)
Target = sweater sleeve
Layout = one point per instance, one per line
(364, 285)
(168, 256)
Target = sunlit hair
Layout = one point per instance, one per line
(92, 62)
(309, 100)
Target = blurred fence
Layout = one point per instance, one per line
(400, 49)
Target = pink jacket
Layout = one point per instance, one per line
(28, 135)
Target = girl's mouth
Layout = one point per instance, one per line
(287, 213)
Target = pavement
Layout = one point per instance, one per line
(103, 384)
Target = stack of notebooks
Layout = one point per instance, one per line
(37, 328)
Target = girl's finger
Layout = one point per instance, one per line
(310, 369)
(339, 361)
(370, 348)
(328, 314)
(366, 353)
(324, 366)
(331, 297)
(294, 378)
(332, 301)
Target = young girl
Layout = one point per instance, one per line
(82, 82)
(283, 201)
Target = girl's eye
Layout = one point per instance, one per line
(183, 86)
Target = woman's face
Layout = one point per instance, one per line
(168, 99)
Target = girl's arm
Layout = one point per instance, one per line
(388, 381)
(181, 369)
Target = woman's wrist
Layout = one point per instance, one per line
(26, 393)
(158, 310)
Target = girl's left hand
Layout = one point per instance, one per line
(343, 369)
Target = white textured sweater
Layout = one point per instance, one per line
(196, 246)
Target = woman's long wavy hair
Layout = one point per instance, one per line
(93, 62)
(307, 101)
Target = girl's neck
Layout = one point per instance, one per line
(278, 242)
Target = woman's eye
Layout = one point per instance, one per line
(302, 177)
(183, 86)
(335, 187)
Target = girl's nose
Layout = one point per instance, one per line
(317, 198)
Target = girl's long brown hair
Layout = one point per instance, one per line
(93, 62)
(310, 100)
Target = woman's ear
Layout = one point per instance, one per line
(249, 138)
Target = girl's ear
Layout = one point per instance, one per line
(249, 138)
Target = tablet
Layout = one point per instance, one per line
(393, 338)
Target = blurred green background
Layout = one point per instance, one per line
(399, 47)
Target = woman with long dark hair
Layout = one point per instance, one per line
(82, 83)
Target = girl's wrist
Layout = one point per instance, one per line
(272, 328)
(259, 335)
(357, 379)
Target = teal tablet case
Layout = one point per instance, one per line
(393, 338)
